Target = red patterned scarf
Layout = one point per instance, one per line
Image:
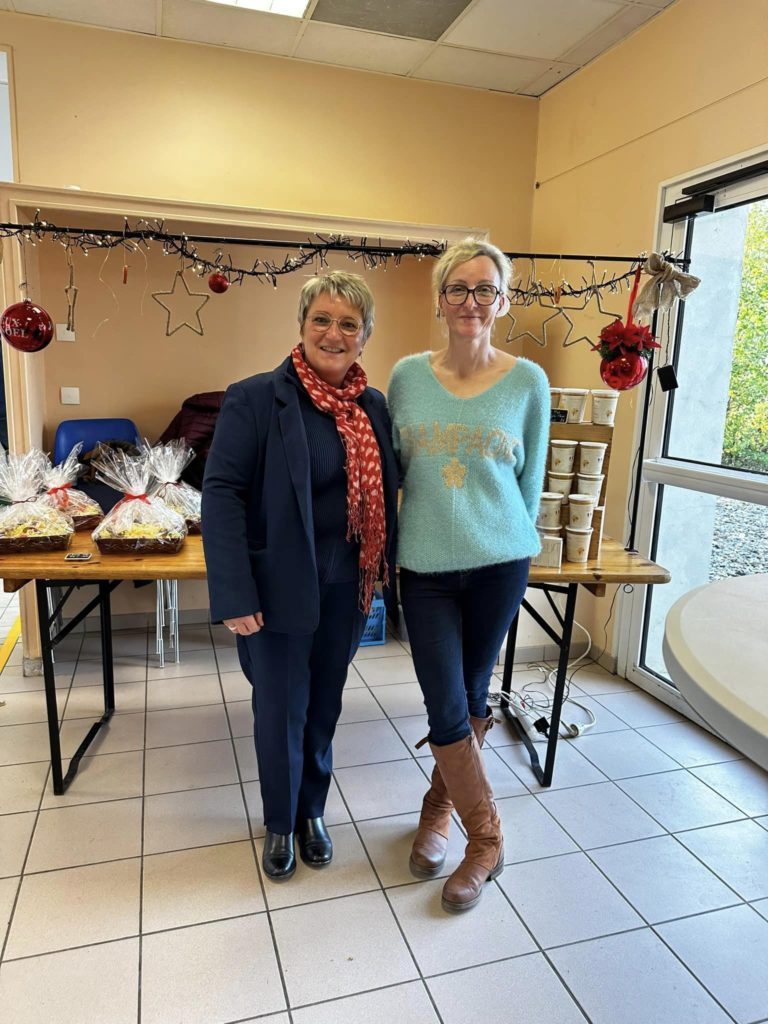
(366, 520)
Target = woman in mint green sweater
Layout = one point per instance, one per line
(470, 426)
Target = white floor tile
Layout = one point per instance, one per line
(22, 743)
(689, 744)
(23, 708)
(736, 852)
(64, 987)
(240, 716)
(605, 721)
(245, 752)
(361, 948)
(761, 906)
(504, 782)
(390, 649)
(119, 734)
(348, 873)
(69, 836)
(389, 842)
(88, 701)
(8, 890)
(502, 734)
(194, 886)
(638, 709)
(741, 782)
(102, 777)
(15, 832)
(412, 729)
(196, 663)
(335, 811)
(195, 637)
(387, 671)
(222, 971)
(75, 907)
(190, 766)
(571, 767)
(529, 832)
(661, 879)
(678, 800)
(366, 743)
(727, 950)
(524, 989)
(183, 693)
(599, 815)
(400, 699)
(579, 904)
(595, 680)
(374, 790)
(620, 755)
(186, 725)
(21, 786)
(359, 705)
(634, 978)
(200, 817)
(125, 670)
(228, 660)
(442, 941)
(407, 1003)
(235, 686)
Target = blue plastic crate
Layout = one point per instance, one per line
(375, 631)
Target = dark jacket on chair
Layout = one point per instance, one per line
(257, 504)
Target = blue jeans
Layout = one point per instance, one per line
(456, 623)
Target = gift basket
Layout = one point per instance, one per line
(168, 461)
(28, 523)
(140, 523)
(61, 493)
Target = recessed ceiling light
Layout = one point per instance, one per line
(293, 8)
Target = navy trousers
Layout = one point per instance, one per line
(297, 687)
(456, 623)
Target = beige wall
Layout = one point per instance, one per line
(688, 90)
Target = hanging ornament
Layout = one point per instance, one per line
(218, 282)
(625, 348)
(26, 327)
(181, 306)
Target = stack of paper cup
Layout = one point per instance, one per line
(589, 483)
(563, 455)
(577, 543)
(580, 508)
(550, 531)
(604, 406)
(574, 400)
(560, 482)
(549, 509)
(591, 456)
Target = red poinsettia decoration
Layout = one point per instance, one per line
(625, 348)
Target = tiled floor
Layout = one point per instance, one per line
(636, 888)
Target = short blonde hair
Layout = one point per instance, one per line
(338, 283)
(467, 249)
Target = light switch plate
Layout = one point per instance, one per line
(70, 396)
(62, 334)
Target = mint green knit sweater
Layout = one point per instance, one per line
(472, 467)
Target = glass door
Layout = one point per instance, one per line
(704, 506)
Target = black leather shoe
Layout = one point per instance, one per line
(278, 858)
(315, 844)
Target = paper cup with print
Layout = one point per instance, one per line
(549, 509)
(604, 406)
(591, 457)
(560, 482)
(574, 401)
(550, 531)
(577, 543)
(562, 455)
(588, 483)
(580, 509)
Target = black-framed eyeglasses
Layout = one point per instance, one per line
(346, 324)
(483, 294)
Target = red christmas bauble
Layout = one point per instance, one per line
(26, 327)
(625, 371)
(218, 282)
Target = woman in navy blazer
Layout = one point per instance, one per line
(299, 517)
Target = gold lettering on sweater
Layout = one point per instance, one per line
(457, 439)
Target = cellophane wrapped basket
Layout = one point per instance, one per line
(168, 462)
(140, 523)
(60, 492)
(28, 523)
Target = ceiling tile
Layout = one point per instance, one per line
(229, 26)
(544, 29)
(608, 35)
(419, 19)
(483, 70)
(137, 16)
(555, 73)
(368, 50)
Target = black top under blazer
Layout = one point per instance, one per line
(257, 505)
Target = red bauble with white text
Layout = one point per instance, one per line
(26, 326)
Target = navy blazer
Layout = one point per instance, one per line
(258, 535)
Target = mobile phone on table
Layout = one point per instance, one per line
(78, 556)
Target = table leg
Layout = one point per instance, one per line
(49, 677)
(562, 672)
(107, 666)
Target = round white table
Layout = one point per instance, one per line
(716, 651)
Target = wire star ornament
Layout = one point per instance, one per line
(175, 308)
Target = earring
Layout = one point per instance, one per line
(437, 313)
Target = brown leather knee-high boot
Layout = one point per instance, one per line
(431, 842)
(463, 771)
